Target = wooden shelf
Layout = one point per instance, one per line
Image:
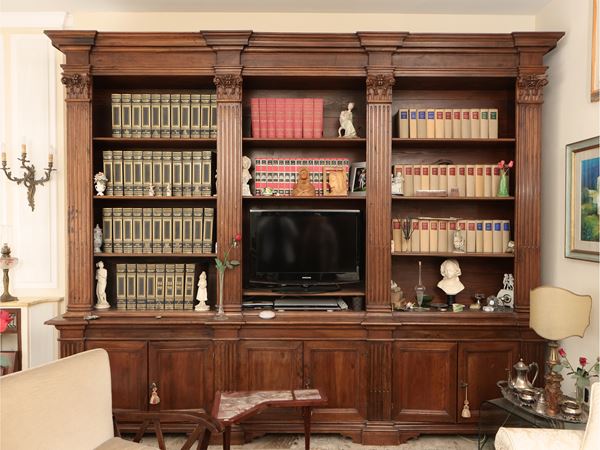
(343, 292)
(447, 144)
(153, 199)
(165, 143)
(282, 144)
(319, 197)
(454, 199)
(455, 255)
(155, 255)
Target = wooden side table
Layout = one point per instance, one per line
(234, 407)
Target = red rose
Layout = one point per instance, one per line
(510, 164)
(582, 361)
(4, 320)
(238, 238)
(561, 352)
(501, 164)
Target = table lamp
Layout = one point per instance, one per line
(7, 262)
(555, 314)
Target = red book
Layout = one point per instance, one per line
(254, 114)
(318, 117)
(271, 118)
(280, 118)
(307, 118)
(297, 118)
(289, 118)
(262, 117)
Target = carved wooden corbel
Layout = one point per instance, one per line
(229, 87)
(530, 88)
(379, 88)
(77, 84)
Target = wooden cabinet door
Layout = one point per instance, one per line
(269, 365)
(339, 370)
(128, 371)
(183, 372)
(481, 365)
(424, 381)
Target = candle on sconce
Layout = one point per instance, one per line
(3, 157)
(23, 150)
(51, 156)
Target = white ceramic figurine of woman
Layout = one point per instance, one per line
(101, 275)
(346, 123)
(202, 295)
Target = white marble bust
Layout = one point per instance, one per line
(450, 284)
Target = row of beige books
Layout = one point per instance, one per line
(164, 115)
(437, 123)
(436, 235)
(157, 230)
(158, 173)
(155, 286)
(462, 180)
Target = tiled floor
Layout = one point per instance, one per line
(334, 442)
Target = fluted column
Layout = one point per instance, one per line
(379, 160)
(529, 95)
(229, 186)
(80, 271)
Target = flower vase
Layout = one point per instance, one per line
(580, 385)
(220, 315)
(503, 185)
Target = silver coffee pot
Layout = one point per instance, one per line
(521, 380)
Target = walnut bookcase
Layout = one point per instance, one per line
(388, 376)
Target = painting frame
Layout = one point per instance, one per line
(582, 165)
(595, 80)
(355, 170)
(327, 190)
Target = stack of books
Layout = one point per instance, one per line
(287, 118)
(157, 230)
(473, 123)
(280, 174)
(462, 180)
(435, 235)
(173, 116)
(141, 172)
(155, 286)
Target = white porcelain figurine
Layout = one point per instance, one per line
(101, 275)
(506, 295)
(346, 123)
(450, 284)
(97, 239)
(246, 177)
(202, 295)
(398, 184)
(100, 181)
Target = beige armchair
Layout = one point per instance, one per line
(67, 405)
(550, 439)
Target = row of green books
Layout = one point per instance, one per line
(158, 173)
(174, 116)
(157, 230)
(155, 286)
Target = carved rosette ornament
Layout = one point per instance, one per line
(229, 87)
(530, 88)
(77, 84)
(379, 88)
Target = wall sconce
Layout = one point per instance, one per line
(28, 178)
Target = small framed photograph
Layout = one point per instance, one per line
(335, 181)
(582, 191)
(358, 178)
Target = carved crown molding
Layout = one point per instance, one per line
(530, 88)
(229, 87)
(379, 88)
(77, 84)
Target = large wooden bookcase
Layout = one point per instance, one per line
(388, 375)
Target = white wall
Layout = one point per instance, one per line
(568, 116)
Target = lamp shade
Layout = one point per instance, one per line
(555, 313)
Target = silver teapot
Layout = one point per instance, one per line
(520, 380)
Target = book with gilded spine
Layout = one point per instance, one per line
(157, 226)
(207, 230)
(195, 116)
(130, 286)
(188, 296)
(175, 116)
(167, 230)
(116, 115)
(177, 188)
(169, 286)
(138, 173)
(185, 116)
(127, 230)
(117, 230)
(107, 235)
(179, 287)
(127, 172)
(159, 300)
(186, 173)
(117, 183)
(136, 116)
(165, 116)
(140, 289)
(146, 116)
(121, 286)
(107, 167)
(147, 230)
(155, 114)
(151, 286)
(137, 230)
(126, 115)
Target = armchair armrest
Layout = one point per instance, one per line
(201, 419)
(546, 438)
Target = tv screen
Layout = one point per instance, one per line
(305, 247)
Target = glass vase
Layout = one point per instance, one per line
(503, 185)
(220, 315)
(580, 385)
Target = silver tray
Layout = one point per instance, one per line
(512, 396)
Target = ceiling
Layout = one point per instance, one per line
(526, 7)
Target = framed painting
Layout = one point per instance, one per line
(582, 195)
(335, 181)
(358, 178)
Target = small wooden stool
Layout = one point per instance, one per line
(234, 407)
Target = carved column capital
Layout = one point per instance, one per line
(379, 88)
(530, 88)
(229, 87)
(78, 85)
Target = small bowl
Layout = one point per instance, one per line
(527, 395)
(571, 408)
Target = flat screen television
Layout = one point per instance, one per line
(305, 248)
